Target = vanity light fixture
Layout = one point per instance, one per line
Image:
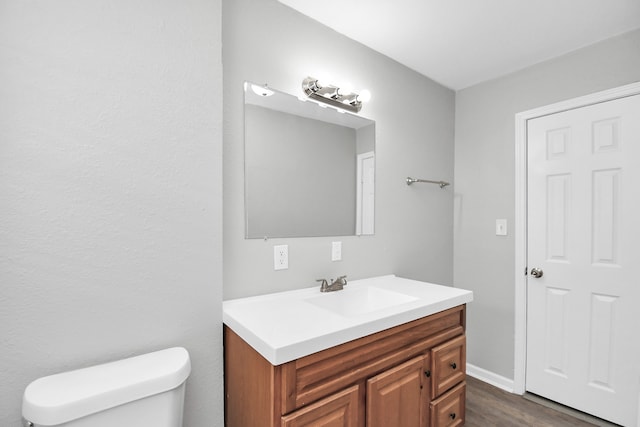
(334, 96)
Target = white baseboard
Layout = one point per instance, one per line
(490, 378)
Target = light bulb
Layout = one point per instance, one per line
(365, 96)
(345, 89)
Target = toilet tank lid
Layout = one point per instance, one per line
(70, 395)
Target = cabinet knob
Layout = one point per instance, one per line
(427, 373)
(452, 415)
(453, 365)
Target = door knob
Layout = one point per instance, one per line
(537, 272)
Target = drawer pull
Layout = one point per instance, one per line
(452, 415)
(427, 373)
(453, 365)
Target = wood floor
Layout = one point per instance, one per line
(489, 406)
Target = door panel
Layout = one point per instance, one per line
(584, 233)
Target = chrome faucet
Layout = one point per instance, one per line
(335, 285)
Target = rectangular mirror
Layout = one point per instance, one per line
(309, 169)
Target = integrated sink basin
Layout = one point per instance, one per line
(351, 302)
(288, 325)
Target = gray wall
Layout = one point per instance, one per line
(111, 190)
(298, 171)
(484, 180)
(266, 42)
(365, 139)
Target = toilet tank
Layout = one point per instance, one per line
(146, 390)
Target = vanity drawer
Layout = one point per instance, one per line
(448, 362)
(449, 409)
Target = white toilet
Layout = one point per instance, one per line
(146, 390)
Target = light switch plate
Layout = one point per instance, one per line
(336, 251)
(281, 257)
(501, 227)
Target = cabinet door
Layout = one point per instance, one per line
(399, 397)
(449, 365)
(338, 410)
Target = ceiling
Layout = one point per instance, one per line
(459, 43)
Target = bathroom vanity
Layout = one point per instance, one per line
(382, 352)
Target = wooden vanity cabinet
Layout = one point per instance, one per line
(409, 375)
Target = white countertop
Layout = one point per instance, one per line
(288, 325)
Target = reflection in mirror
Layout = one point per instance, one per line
(309, 169)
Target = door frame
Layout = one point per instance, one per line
(520, 226)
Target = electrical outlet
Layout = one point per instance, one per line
(336, 251)
(281, 257)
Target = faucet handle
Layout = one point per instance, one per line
(324, 285)
(340, 282)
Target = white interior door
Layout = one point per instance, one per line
(365, 210)
(583, 342)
